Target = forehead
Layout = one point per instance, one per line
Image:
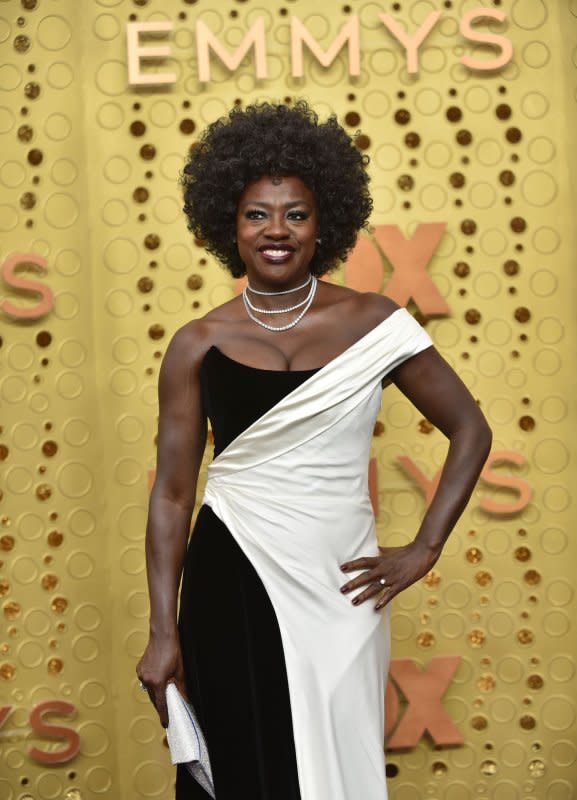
(282, 190)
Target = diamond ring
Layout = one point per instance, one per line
(383, 582)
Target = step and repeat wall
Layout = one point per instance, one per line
(468, 117)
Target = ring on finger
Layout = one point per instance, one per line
(383, 583)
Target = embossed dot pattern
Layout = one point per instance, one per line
(89, 182)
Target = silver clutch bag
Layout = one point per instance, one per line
(185, 740)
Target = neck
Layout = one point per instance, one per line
(283, 290)
(256, 313)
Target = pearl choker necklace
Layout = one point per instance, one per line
(306, 303)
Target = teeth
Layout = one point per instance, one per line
(276, 253)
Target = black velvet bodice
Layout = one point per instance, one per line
(233, 657)
(235, 395)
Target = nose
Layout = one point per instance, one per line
(277, 227)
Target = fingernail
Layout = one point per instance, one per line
(344, 589)
(355, 601)
(344, 567)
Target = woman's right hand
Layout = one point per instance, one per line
(161, 663)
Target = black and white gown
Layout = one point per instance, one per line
(287, 676)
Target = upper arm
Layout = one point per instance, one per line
(182, 422)
(428, 381)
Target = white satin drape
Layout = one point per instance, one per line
(292, 489)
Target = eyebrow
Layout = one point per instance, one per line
(264, 204)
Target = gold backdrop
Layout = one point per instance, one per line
(89, 183)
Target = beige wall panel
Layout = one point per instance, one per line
(88, 181)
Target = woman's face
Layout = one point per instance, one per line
(276, 227)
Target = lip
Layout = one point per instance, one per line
(276, 255)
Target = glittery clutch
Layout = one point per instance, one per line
(185, 740)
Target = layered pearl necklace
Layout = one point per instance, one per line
(304, 304)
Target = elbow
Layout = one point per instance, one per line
(475, 437)
(486, 437)
(169, 495)
(481, 439)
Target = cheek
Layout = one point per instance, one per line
(244, 233)
(311, 235)
(244, 241)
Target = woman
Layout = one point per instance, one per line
(278, 645)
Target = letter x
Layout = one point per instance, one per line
(409, 259)
(425, 711)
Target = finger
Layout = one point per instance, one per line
(143, 685)
(159, 701)
(387, 595)
(360, 580)
(157, 696)
(372, 590)
(366, 562)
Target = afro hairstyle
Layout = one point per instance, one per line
(266, 139)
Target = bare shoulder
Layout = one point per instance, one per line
(365, 309)
(191, 342)
(187, 348)
(376, 307)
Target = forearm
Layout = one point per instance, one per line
(166, 542)
(468, 451)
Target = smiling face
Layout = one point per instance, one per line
(276, 226)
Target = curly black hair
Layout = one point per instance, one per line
(277, 140)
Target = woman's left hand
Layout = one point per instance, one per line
(398, 567)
